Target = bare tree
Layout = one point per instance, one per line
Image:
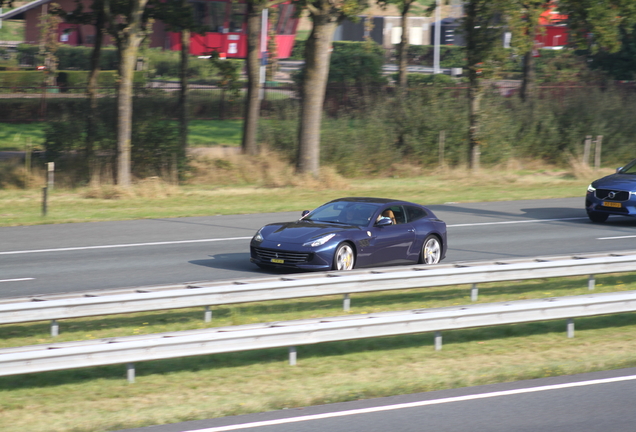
(483, 31)
(325, 15)
(255, 10)
(127, 24)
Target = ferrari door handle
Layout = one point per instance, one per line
(411, 230)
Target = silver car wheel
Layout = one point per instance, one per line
(344, 258)
(431, 251)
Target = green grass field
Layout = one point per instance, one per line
(202, 133)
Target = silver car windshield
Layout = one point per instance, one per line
(342, 212)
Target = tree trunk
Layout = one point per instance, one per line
(253, 105)
(183, 91)
(317, 57)
(526, 93)
(475, 93)
(404, 46)
(128, 41)
(91, 89)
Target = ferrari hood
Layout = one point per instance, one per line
(301, 231)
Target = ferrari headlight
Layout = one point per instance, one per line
(258, 237)
(320, 241)
(591, 189)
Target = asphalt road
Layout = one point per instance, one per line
(593, 402)
(89, 256)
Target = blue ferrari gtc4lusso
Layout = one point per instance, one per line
(351, 233)
(612, 195)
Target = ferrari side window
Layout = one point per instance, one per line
(415, 213)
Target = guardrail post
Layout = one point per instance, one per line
(292, 356)
(438, 341)
(346, 303)
(208, 314)
(570, 326)
(474, 292)
(591, 281)
(55, 328)
(130, 373)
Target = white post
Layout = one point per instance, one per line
(438, 33)
(597, 152)
(438, 341)
(263, 53)
(55, 328)
(292, 356)
(207, 317)
(51, 173)
(346, 303)
(570, 327)
(474, 292)
(130, 373)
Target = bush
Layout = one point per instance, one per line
(104, 79)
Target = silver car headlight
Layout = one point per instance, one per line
(591, 189)
(258, 237)
(319, 242)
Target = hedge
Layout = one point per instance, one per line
(15, 79)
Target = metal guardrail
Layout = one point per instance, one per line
(141, 299)
(127, 350)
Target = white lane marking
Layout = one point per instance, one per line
(247, 238)
(16, 280)
(616, 238)
(122, 245)
(515, 222)
(414, 404)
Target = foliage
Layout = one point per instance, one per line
(437, 80)
(451, 56)
(48, 27)
(156, 143)
(15, 79)
(165, 64)
(228, 72)
(620, 65)
(298, 52)
(356, 62)
(597, 25)
(368, 140)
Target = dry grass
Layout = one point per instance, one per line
(230, 183)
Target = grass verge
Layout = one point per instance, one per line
(289, 193)
(100, 399)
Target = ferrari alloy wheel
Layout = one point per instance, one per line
(344, 258)
(431, 251)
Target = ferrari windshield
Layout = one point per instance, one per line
(343, 212)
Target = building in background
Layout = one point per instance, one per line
(224, 19)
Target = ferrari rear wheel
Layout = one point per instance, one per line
(431, 250)
(344, 258)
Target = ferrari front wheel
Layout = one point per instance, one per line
(344, 258)
(431, 250)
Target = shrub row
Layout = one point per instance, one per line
(14, 79)
(377, 130)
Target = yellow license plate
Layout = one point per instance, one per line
(278, 261)
(612, 204)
